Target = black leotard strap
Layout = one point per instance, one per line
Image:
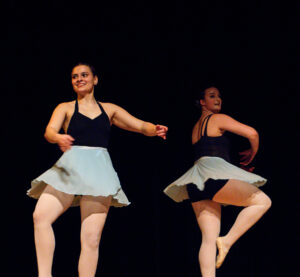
(101, 108)
(205, 130)
(76, 106)
(201, 128)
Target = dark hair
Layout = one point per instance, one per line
(200, 96)
(92, 68)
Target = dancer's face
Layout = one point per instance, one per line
(212, 100)
(83, 80)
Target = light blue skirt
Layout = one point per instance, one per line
(209, 168)
(82, 170)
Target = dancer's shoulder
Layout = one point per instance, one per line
(221, 117)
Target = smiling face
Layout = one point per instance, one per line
(212, 100)
(83, 80)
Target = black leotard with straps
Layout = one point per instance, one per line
(211, 146)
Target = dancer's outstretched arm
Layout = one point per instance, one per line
(122, 119)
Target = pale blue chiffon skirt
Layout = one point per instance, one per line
(82, 170)
(209, 168)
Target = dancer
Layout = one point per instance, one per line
(84, 174)
(213, 181)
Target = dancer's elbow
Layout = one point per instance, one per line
(253, 134)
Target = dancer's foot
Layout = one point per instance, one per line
(223, 250)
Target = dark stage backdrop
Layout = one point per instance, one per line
(152, 57)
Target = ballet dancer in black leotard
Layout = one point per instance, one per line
(84, 174)
(213, 181)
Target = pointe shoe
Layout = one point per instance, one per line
(222, 253)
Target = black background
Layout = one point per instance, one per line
(152, 57)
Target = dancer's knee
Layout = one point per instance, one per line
(262, 200)
(91, 239)
(267, 202)
(40, 218)
(209, 241)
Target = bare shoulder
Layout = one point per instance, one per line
(109, 108)
(65, 106)
(196, 126)
(108, 105)
(69, 104)
(220, 117)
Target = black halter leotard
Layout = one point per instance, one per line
(212, 147)
(89, 132)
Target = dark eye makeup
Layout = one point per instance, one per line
(83, 74)
(214, 95)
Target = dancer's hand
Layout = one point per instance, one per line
(246, 157)
(64, 141)
(161, 131)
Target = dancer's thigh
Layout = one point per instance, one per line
(208, 214)
(51, 204)
(94, 211)
(239, 193)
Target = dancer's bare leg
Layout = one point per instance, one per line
(93, 216)
(208, 215)
(50, 206)
(256, 203)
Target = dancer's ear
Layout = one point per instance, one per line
(96, 80)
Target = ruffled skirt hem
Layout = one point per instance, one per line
(82, 171)
(209, 168)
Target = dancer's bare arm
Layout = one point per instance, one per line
(227, 123)
(122, 119)
(55, 124)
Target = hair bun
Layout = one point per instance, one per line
(197, 103)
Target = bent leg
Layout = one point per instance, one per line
(94, 211)
(50, 206)
(256, 203)
(208, 215)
